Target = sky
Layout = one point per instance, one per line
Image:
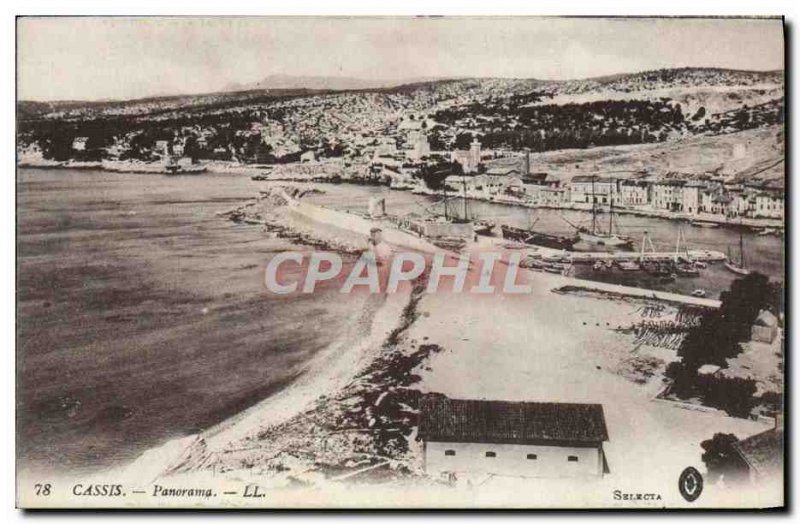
(123, 58)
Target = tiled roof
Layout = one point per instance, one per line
(450, 420)
(762, 452)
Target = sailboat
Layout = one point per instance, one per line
(596, 237)
(738, 268)
(479, 227)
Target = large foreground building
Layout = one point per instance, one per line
(525, 439)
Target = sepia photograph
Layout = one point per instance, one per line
(395, 262)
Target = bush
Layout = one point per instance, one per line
(721, 460)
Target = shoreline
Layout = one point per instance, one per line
(350, 415)
(319, 383)
(247, 170)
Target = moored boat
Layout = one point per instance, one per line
(483, 227)
(535, 238)
(703, 223)
(734, 268)
(627, 265)
(737, 267)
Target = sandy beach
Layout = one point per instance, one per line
(350, 417)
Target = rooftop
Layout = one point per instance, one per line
(592, 178)
(766, 318)
(491, 421)
(503, 170)
(762, 452)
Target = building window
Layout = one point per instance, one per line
(532, 456)
(450, 453)
(572, 458)
(491, 454)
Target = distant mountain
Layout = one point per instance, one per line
(321, 83)
(707, 90)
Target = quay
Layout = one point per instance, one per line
(577, 257)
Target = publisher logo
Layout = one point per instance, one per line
(690, 484)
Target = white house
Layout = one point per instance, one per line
(522, 439)
(668, 194)
(469, 160)
(765, 327)
(162, 148)
(768, 204)
(547, 196)
(634, 192)
(692, 199)
(584, 187)
(308, 156)
(79, 144)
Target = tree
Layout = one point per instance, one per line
(733, 395)
(718, 335)
(700, 113)
(721, 460)
(434, 174)
(463, 141)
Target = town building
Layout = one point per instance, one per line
(668, 194)
(545, 195)
(634, 192)
(765, 327)
(524, 439)
(420, 147)
(162, 148)
(387, 147)
(79, 143)
(308, 156)
(768, 204)
(469, 160)
(539, 178)
(585, 188)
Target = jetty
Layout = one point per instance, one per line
(586, 257)
(391, 231)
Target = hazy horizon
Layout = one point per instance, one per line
(109, 59)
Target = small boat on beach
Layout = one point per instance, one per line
(699, 293)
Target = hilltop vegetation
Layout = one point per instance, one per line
(276, 125)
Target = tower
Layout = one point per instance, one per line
(474, 155)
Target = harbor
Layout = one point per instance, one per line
(706, 246)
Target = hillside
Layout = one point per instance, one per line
(267, 125)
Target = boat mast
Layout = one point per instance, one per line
(741, 248)
(677, 245)
(444, 192)
(594, 210)
(464, 182)
(644, 240)
(611, 218)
